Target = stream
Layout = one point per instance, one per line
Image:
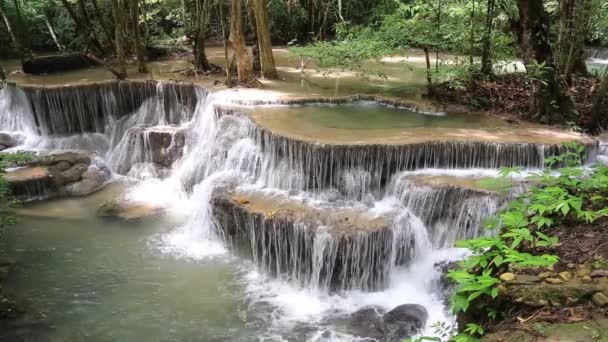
(187, 275)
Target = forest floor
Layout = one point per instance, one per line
(510, 96)
(568, 302)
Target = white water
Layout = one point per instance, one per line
(220, 154)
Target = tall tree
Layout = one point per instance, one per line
(22, 51)
(102, 21)
(237, 38)
(118, 8)
(201, 63)
(49, 24)
(264, 40)
(23, 32)
(599, 110)
(573, 23)
(550, 102)
(139, 46)
(486, 59)
(86, 32)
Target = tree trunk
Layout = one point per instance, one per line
(86, 21)
(486, 59)
(599, 111)
(49, 25)
(119, 37)
(201, 63)
(573, 22)
(255, 50)
(472, 34)
(550, 103)
(23, 33)
(264, 40)
(104, 25)
(237, 39)
(2, 74)
(88, 38)
(11, 33)
(225, 43)
(139, 47)
(427, 58)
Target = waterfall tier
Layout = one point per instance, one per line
(318, 246)
(92, 107)
(327, 165)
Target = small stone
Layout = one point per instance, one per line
(600, 299)
(544, 275)
(554, 281)
(62, 165)
(583, 272)
(599, 273)
(566, 276)
(586, 280)
(507, 277)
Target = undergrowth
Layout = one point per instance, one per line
(565, 193)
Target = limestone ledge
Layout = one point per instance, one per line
(324, 247)
(56, 174)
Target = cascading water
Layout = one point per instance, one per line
(310, 271)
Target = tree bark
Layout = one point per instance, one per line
(237, 39)
(119, 37)
(550, 103)
(264, 40)
(427, 58)
(139, 47)
(486, 50)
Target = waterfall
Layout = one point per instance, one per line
(343, 220)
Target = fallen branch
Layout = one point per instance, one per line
(119, 75)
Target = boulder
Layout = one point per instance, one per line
(6, 141)
(128, 211)
(404, 321)
(167, 144)
(92, 180)
(74, 174)
(367, 322)
(71, 157)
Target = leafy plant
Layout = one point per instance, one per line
(522, 231)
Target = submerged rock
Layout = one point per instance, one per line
(367, 322)
(7, 141)
(92, 180)
(128, 211)
(404, 321)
